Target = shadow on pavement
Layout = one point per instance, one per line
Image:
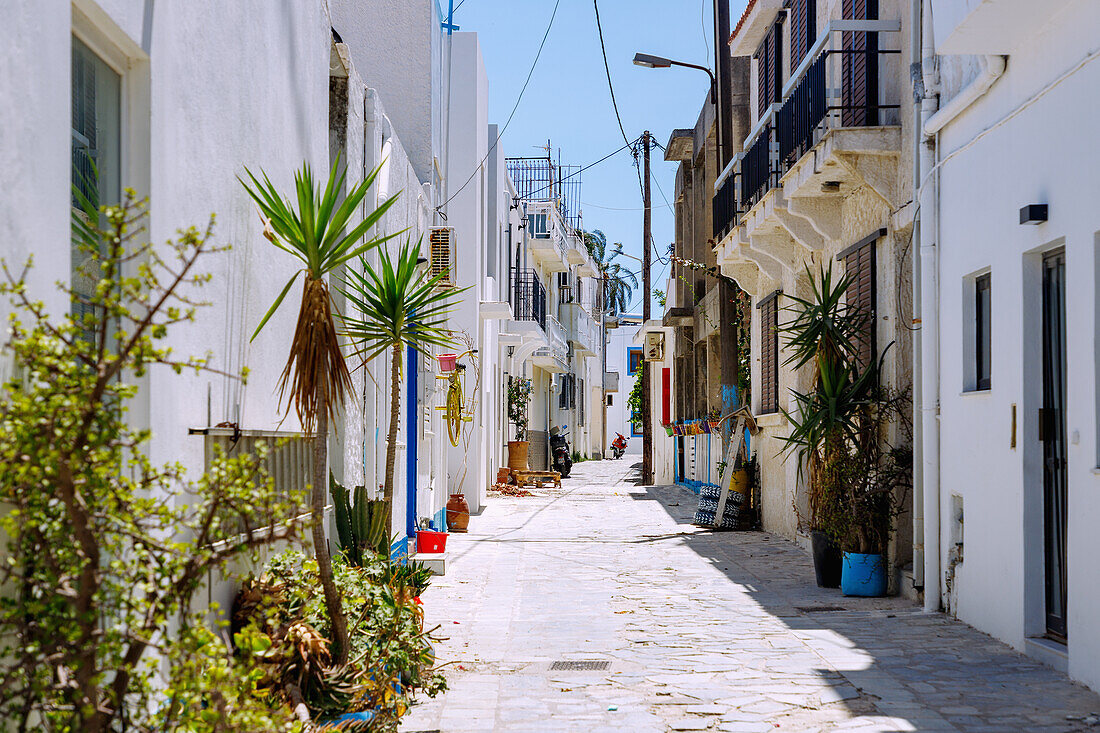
(926, 670)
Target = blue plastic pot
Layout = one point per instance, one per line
(863, 575)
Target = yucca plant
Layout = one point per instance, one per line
(317, 230)
(398, 306)
(825, 331)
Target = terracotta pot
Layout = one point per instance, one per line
(517, 454)
(504, 475)
(458, 513)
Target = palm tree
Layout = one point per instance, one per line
(316, 374)
(399, 306)
(618, 282)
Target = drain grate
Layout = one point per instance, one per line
(818, 609)
(579, 666)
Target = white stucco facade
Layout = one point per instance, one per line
(1027, 140)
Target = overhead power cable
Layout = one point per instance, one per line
(514, 108)
(607, 69)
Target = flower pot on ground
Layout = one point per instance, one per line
(458, 513)
(827, 560)
(517, 454)
(863, 575)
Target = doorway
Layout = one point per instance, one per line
(1052, 425)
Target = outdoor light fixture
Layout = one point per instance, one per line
(830, 187)
(651, 62)
(1033, 214)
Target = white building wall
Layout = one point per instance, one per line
(270, 69)
(1024, 142)
(618, 416)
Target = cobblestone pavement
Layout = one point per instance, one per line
(700, 631)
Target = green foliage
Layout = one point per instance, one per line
(105, 551)
(618, 281)
(312, 228)
(519, 398)
(399, 305)
(360, 522)
(837, 428)
(660, 296)
(634, 400)
(390, 653)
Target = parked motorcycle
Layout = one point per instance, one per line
(618, 446)
(560, 453)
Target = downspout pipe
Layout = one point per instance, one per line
(992, 69)
(929, 314)
(918, 466)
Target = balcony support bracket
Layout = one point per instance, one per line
(823, 213)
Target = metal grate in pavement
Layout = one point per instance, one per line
(579, 666)
(818, 609)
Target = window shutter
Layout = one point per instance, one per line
(803, 30)
(769, 353)
(859, 265)
(859, 70)
(763, 58)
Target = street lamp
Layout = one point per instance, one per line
(650, 61)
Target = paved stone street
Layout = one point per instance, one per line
(699, 631)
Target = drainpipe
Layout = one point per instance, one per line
(929, 304)
(918, 442)
(993, 67)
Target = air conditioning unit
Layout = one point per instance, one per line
(441, 256)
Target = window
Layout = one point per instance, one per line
(769, 69)
(540, 228)
(859, 67)
(96, 161)
(982, 338)
(769, 353)
(859, 265)
(633, 359)
(610, 400)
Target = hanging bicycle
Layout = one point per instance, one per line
(454, 405)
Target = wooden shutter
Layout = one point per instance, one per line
(763, 58)
(859, 265)
(859, 68)
(441, 242)
(769, 353)
(803, 30)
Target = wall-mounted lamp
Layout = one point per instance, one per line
(523, 222)
(1033, 214)
(830, 187)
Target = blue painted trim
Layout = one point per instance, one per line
(411, 443)
(399, 550)
(439, 521)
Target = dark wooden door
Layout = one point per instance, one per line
(1053, 434)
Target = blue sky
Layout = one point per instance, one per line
(567, 100)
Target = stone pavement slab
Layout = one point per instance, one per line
(699, 630)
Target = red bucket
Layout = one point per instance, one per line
(430, 543)
(447, 362)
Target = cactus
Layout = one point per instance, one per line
(360, 522)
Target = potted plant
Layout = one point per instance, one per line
(519, 398)
(824, 332)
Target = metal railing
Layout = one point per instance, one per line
(819, 97)
(528, 297)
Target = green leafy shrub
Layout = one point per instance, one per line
(105, 551)
(390, 654)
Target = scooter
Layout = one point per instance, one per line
(618, 446)
(559, 450)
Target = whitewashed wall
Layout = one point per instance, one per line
(1046, 153)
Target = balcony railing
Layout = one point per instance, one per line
(528, 297)
(836, 85)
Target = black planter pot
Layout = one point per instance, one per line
(827, 560)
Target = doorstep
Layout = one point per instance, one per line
(1049, 652)
(435, 561)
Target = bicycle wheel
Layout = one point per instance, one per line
(454, 413)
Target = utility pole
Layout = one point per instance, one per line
(647, 406)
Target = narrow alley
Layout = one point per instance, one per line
(682, 629)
